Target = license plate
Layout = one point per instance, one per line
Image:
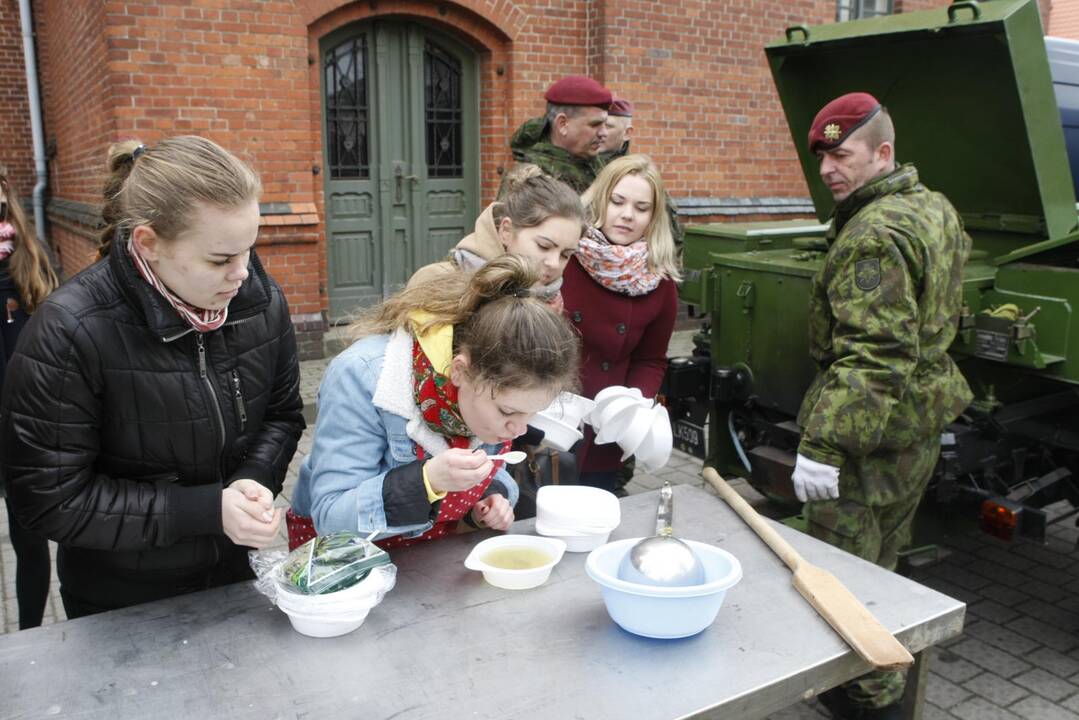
(690, 438)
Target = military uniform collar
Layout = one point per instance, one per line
(901, 179)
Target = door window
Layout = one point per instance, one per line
(442, 112)
(346, 109)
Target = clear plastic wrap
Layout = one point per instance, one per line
(337, 577)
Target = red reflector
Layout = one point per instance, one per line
(1000, 518)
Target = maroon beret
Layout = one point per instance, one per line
(620, 107)
(840, 118)
(578, 90)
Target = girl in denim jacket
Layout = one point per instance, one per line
(443, 373)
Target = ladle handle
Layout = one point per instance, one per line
(665, 513)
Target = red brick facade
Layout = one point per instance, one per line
(247, 74)
(1064, 20)
(15, 153)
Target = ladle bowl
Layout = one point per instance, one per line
(662, 560)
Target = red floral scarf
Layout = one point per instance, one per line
(436, 397)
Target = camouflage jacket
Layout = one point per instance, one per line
(883, 310)
(531, 145)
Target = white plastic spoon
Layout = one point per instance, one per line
(511, 458)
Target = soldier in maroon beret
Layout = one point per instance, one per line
(619, 129)
(847, 166)
(566, 141)
(883, 309)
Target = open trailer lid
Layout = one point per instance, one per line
(969, 90)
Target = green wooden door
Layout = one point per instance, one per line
(401, 144)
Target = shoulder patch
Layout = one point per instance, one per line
(867, 274)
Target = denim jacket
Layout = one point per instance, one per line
(368, 425)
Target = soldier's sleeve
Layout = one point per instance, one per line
(875, 341)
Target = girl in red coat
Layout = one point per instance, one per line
(620, 292)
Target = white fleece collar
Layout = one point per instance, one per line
(393, 393)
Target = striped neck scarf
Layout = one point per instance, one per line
(201, 320)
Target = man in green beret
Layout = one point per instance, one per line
(884, 308)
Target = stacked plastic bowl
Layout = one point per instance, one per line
(639, 425)
(581, 516)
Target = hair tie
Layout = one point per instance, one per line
(137, 151)
(519, 293)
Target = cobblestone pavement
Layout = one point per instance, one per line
(1018, 656)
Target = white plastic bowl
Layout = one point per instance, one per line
(321, 627)
(576, 541)
(663, 612)
(569, 408)
(655, 451)
(579, 509)
(556, 432)
(515, 579)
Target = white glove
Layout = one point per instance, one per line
(814, 481)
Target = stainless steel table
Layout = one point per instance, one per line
(444, 644)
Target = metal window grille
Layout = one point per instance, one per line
(345, 76)
(856, 9)
(442, 112)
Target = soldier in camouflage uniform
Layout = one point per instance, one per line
(565, 143)
(562, 146)
(884, 309)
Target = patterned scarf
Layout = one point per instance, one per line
(436, 397)
(7, 239)
(621, 268)
(201, 320)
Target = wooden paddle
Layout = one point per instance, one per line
(829, 597)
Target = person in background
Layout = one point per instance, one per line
(538, 218)
(26, 279)
(152, 406)
(883, 310)
(443, 374)
(619, 130)
(620, 292)
(565, 143)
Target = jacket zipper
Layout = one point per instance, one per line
(213, 395)
(238, 399)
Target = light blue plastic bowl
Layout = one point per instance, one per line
(663, 612)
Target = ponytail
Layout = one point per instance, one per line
(513, 339)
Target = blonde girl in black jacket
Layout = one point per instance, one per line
(153, 404)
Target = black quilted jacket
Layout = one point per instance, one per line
(120, 424)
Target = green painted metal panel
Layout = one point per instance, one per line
(969, 89)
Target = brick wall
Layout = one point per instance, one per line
(247, 75)
(1064, 19)
(16, 151)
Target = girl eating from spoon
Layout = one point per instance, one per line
(441, 375)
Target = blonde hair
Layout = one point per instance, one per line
(662, 254)
(30, 269)
(512, 339)
(160, 186)
(529, 198)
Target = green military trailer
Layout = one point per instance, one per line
(969, 89)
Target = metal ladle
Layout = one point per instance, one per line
(662, 559)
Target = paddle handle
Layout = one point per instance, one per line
(764, 530)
